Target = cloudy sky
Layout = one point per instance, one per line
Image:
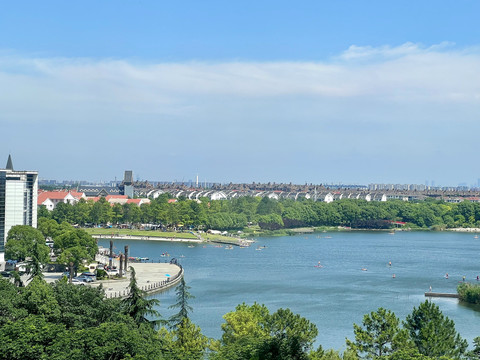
(350, 92)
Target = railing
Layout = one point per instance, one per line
(152, 287)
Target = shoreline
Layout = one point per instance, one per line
(149, 238)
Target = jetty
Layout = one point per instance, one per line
(444, 295)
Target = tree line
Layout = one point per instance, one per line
(63, 321)
(270, 214)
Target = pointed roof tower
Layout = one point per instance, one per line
(9, 163)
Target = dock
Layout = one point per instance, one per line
(444, 295)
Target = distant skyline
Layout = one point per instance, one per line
(317, 92)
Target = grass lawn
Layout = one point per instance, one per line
(101, 231)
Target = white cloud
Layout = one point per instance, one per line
(364, 100)
(408, 72)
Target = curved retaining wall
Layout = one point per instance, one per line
(153, 287)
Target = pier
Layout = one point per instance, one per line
(444, 295)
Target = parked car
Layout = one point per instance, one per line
(89, 274)
(77, 282)
(6, 274)
(85, 279)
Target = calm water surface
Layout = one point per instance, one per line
(284, 275)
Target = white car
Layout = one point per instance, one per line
(77, 282)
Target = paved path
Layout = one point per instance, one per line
(151, 277)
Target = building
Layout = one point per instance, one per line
(18, 201)
(124, 188)
(50, 199)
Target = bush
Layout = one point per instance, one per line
(469, 293)
(101, 274)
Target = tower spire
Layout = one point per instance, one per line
(9, 163)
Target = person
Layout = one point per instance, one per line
(478, 278)
(446, 276)
(430, 288)
(393, 276)
(463, 278)
(389, 263)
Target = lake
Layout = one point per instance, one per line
(283, 275)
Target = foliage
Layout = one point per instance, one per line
(380, 335)
(252, 332)
(469, 292)
(270, 214)
(74, 246)
(21, 241)
(61, 321)
(187, 342)
(182, 304)
(433, 333)
(136, 305)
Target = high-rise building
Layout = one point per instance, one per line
(18, 201)
(128, 183)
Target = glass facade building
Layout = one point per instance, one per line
(18, 201)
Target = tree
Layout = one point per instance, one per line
(75, 246)
(36, 260)
(38, 298)
(182, 304)
(10, 303)
(433, 333)
(21, 240)
(379, 335)
(101, 212)
(251, 332)
(291, 337)
(28, 338)
(475, 354)
(136, 306)
(185, 342)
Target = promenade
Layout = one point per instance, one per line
(151, 277)
(136, 237)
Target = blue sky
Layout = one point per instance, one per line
(312, 91)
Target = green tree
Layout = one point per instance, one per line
(182, 304)
(21, 240)
(10, 303)
(38, 298)
(81, 211)
(101, 212)
(28, 338)
(75, 246)
(475, 353)
(42, 212)
(380, 335)
(291, 337)
(137, 306)
(187, 342)
(251, 332)
(433, 333)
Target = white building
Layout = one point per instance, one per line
(18, 201)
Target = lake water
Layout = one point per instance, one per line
(283, 275)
